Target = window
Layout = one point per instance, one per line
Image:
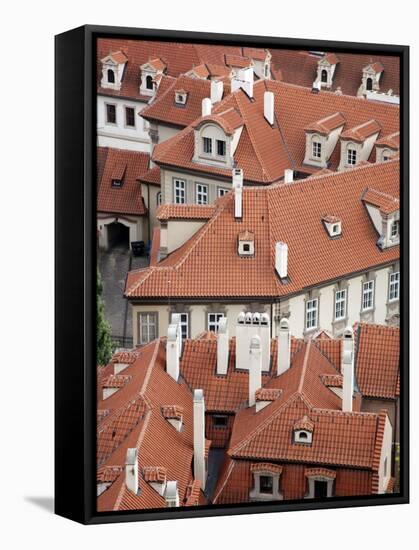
(110, 113)
(340, 304)
(130, 116)
(324, 76)
(116, 183)
(385, 466)
(335, 229)
(317, 149)
(369, 84)
(311, 313)
(320, 489)
(184, 325)
(149, 82)
(220, 421)
(394, 286)
(246, 247)
(111, 76)
(395, 229)
(266, 485)
(303, 436)
(179, 191)
(266, 71)
(213, 320)
(158, 198)
(201, 193)
(207, 145)
(147, 327)
(351, 156)
(221, 148)
(368, 295)
(222, 191)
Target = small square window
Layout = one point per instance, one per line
(207, 145)
(266, 485)
(395, 229)
(116, 183)
(220, 421)
(221, 148)
(110, 113)
(351, 157)
(130, 117)
(317, 149)
(222, 191)
(246, 247)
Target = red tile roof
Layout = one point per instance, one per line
(125, 165)
(310, 472)
(159, 446)
(172, 412)
(128, 357)
(304, 423)
(362, 131)
(259, 54)
(259, 467)
(378, 360)
(392, 141)
(300, 67)
(263, 151)
(155, 473)
(332, 380)
(118, 57)
(177, 58)
(151, 176)
(288, 213)
(331, 58)
(238, 61)
(384, 201)
(185, 212)
(327, 124)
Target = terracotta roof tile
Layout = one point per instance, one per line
(172, 412)
(256, 53)
(327, 124)
(128, 357)
(238, 61)
(268, 394)
(332, 380)
(304, 423)
(362, 131)
(392, 141)
(331, 58)
(378, 360)
(185, 212)
(193, 493)
(115, 381)
(323, 472)
(126, 166)
(151, 176)
(384, 201)
(155, 473)
(259, 467)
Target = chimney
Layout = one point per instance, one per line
(171, 494)
(268, 107)
(172, 351)
(255, 368)
(176, 321)
(238, 192)
(217, 88)
(131, 470)
(206, 106)
(222, 346)
(261, 327)
(199, 437)
(288, 175)
(348, 369)
(316, 87)
(244, 80)
(284, 346)
(281, 259)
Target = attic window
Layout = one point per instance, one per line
(302, 436)
(181, 97)
(395, 229)
(324, 76)
(369, 84)
(111, 76)
(116, 183)
(303, 431)
(246, 244)
(333, 225)
(317, 149)
(351, 156)
(149, 82)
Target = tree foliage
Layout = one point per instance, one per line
(104, 346)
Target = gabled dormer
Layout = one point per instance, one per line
(384, 212)
(387, 147)
(246, 244)
(181, 97)
(149, 73)
(321, 139)
(113, 67)
(326, 68)
(216, 138)
(303, 431)
(371, 75)
(333, 225)
(261, 59)
(356, 144)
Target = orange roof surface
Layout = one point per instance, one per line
(161, 448)
(238, 61)
(176, 58)
(378, 360)
(300, 67)
(327, 124)
(392, 141)
(185, 212)
(290, 213)
(151, 176)
(362, 131)
(263, 151)
(124, 165)
(385, 202)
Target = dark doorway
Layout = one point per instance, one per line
(118, 235)
(320, 489)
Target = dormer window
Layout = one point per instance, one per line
(317, 149)
(384, 212)
(303, 431)
(246, 244)
(333, 225)
(368, 85)
(116, 183)
(395, 229)
(117, 176)
(180, 97)
(266, 478)
(221, 148)
(326, 69)
(351, 156)
(149, 82)
(324, 76)
(321, 139)
(111, 76)
(371, 75)
(387, 147)
(150, 72)
(113, 66)
(301, 436)
(207, 145)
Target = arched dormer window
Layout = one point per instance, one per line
(149, 82)
(111, 76)
(324, 76)
(213, 143)
(368, 84)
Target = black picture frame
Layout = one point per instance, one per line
(75, 274)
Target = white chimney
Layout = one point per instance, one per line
(131, 470)
(281, 259)
(348, 369)
(284, 346)
(217, 88)
(288, 175)
(222, 346)
(238, 192)
(199, 437)
(268, 107)
(176, 318)
(244, 80)
(206, 106)
(262, 327)
(316, 87)
(171, 494)
(172, 351)
(255, 368)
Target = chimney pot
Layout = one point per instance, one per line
(172, 351)
(284, 346)
(255, 368)
(238, 192)
(222, 346)
(268, 107)
(206, 106)
(199, 436)
(281, 259)
(288, 175)
(217, 88)
(348, 369)
(131, 470)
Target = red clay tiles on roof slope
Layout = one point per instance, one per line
(377, 360)
(288, 213)
(324, 472)
(384, 201)
(362, 131)
(327, 124)
(300, 67)
(185, 211)
(158, 442)
(392, 140)
(178, 58)
(151, 176)
(126, 199)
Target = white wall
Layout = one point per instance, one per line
(117, 135)
(167, 186)
(386, 453)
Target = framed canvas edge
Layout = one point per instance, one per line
(75, 418)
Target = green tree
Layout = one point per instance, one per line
(104, 344)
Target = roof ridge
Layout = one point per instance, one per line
(150, 366)
(226, 478)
